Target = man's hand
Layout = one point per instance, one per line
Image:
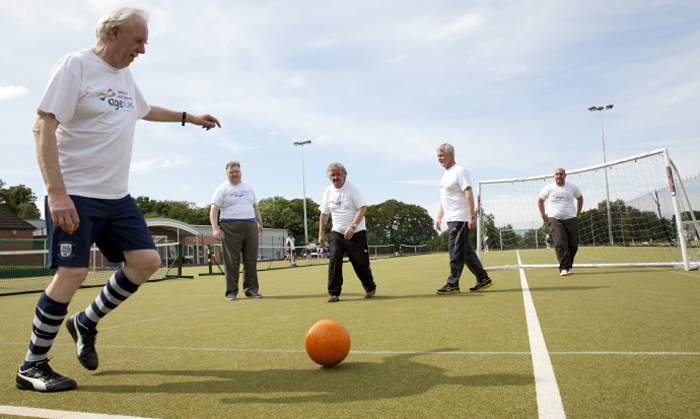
(438, 223)
(205, 121)
(63, 213)
(349, 233)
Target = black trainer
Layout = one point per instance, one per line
(84, 342)
(449, 289)
(42, 378)
(482, 285)
(333, 298)
(370, 294)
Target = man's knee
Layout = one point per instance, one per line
(72, 276)
(145, 261)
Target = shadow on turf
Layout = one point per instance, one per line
(397, 376)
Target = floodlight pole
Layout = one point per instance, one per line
(303, 187)
(600, 109)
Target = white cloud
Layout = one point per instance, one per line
(12, 92)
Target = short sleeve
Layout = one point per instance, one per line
(577, 191)
(324, 203)
(463, 180)
(218, 198)
(62, 93)
(358, 198)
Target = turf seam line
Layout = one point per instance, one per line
(549, 403)
(379, 352)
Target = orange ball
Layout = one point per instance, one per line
(327, 342)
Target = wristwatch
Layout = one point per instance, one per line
(353, 226)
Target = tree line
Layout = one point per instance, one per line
(395, 222)
(391, 222)
(19, 200)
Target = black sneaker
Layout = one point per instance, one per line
(84, 342)
(482, 285)
(370, 294)
(333, 298)
(449, 289)
(253, 295)
(42, 378)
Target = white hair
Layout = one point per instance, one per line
(447, 148)
(338, 166)
(119, 17)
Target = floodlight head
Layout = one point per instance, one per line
(591, 108)
(610, 106)
(302, 142)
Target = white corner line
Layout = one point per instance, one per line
(549, 404)
(57, 414)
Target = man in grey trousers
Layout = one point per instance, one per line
(238, 227)
(562, 217)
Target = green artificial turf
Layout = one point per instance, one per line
(179, 349)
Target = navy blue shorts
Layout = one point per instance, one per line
(114, 225)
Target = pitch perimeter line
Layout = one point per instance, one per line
(549, 404)
(57, 414)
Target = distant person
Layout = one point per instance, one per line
(548, 240)
(291, 249)
(322, 252)
(238, 227)
(562, 218)
(486, 243)
(84, 136)
(308, 250)
(457, 208)
(345, 204)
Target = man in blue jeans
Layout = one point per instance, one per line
(457, 208)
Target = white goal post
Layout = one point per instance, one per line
(636, 213)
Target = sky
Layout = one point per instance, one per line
(375, 85)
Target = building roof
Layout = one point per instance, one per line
(9, 221)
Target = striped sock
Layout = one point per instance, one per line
(115, 292)
(48, 319)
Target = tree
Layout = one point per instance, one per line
(19, 200)
(394, 222)
(438, 243)
(187, 212)
(278, 212)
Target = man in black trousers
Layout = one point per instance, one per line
(344, 202)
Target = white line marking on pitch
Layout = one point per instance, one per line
(549, 404)
(676, 272)
(56, 414)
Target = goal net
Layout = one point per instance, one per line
(636, 212)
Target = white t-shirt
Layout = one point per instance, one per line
(452, 186)
(290, 243)
(343, 204)
(97, 107)
(559, 200)
(236, 201)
